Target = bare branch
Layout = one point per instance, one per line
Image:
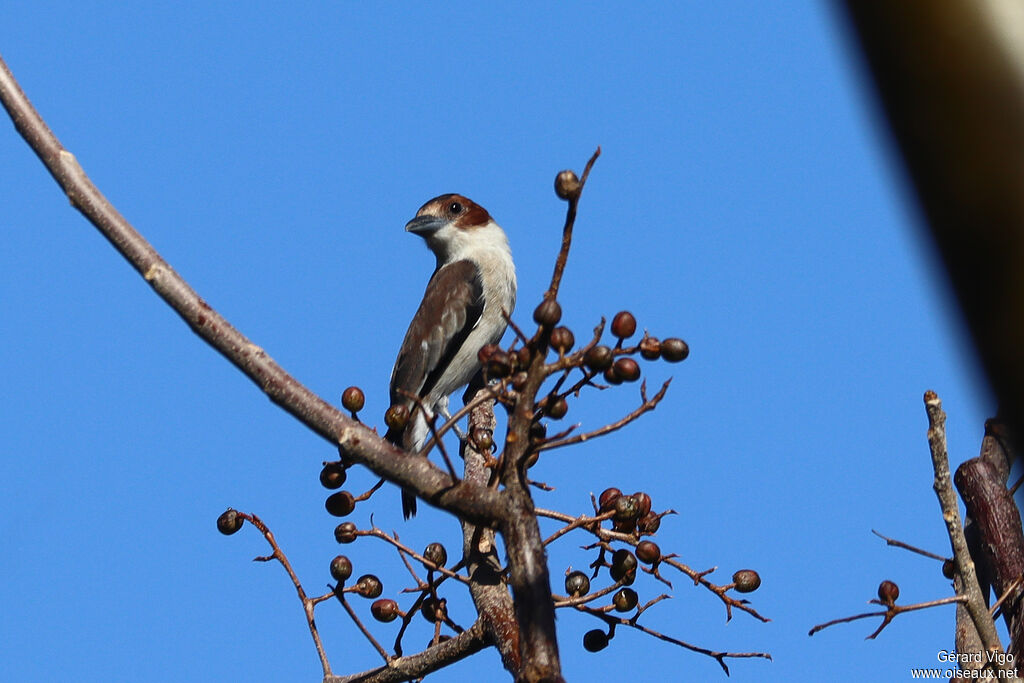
(570, 219)
(717, 655)
(308, 604)
(951, 516)
(906, 546)
(646, 406)
(359, 443)
(400, 669)
(889, 614)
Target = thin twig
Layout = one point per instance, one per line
(1010, 590)
(379, 533)
(646, 406)
(889, 614)
(355, 617)
(570, 219)
(906, 546)
(717, 655)
(577, 523)
(307, 603)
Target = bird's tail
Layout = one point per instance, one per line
(397, 437)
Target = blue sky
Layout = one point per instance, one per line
(746, 200)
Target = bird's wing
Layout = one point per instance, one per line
(451, 308)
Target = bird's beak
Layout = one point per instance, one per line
(425, 225)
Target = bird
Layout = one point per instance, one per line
(464, 307)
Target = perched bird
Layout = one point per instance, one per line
(463, 307)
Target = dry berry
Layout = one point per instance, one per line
(648, 552)
(397, 417)
(340, 504)
(598, 358)
(341, 568)
(433, 610)
(627, 369)
(369, 586)
(557, 407)
(674, 350)
(649, 523)
(345, 532)
(746, 580)
(384, 610)
(623, 566)
(607, 500)
(499, 364)
(595, 641)
(436, 553)
(643, 501)
(625, 599)
(650, 348)
(562, 339)
(548, 313)
(229, 522)
(353, 399)
(623, 325)
(577, 583)
(332, 476)
(567, 185)
(888, 592)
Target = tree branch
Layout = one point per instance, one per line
(359, 443)
(951, 516)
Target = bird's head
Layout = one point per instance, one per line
(455, 226)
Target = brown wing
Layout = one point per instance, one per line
(450, 309)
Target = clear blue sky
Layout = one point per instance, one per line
(746, 201)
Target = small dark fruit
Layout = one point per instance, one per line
(624, 325)
(557, 407)
(627, 369)
(229, 522)
(648, 552)
(562, 339)
(436, 553)
(577, 583)
(345, 532)
(595, 641)
(369, 586)
(607, 500)
(625, 599)
(649, 523)
(746, 580)
(888, 591)
(548, 313)
(341, 568)
(397, 417)
(333, 476)
(384, 610)
(623, 564)
(340, 504)
(650, 348)
(598, 358)
(567, 185)
(674, 350)
(353, 399)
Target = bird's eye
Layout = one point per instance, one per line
(455, 208)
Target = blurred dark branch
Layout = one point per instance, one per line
(950, 76)
(359, 443)
(999, 554)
